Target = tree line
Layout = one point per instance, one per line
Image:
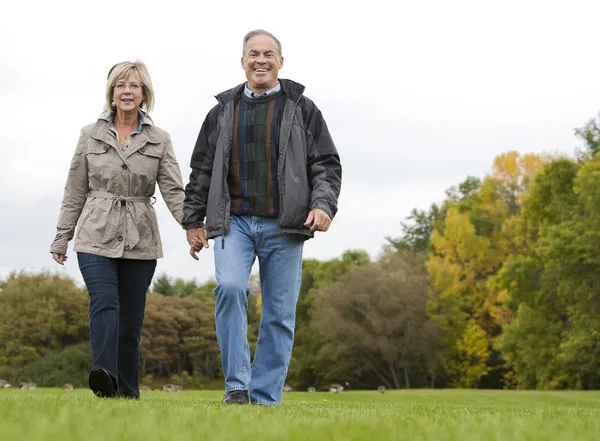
(497, 286)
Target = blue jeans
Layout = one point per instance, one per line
(117, 290)
(280, 262)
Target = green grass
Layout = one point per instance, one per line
(416, 415)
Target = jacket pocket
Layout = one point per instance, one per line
(93, 227)
(102, 165)
(151, 151)
(96, 147)
(144, 165)
(147, 229)
(87, 212)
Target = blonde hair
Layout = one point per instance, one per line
(256, 32)
(121, 71)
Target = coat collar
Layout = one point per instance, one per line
(291, 89)
(144, 118)
(147, 135)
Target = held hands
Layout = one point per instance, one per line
(196, 237)
(59, 258)
(317, 220)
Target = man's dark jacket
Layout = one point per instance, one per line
(309, 171)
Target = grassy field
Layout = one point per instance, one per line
(450, 415)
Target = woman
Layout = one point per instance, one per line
(111, 180)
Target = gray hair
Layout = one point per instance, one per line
(120, 71)
(256, 32)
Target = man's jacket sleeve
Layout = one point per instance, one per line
(196, 191)
(324, 166)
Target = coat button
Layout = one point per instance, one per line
(120, 238)
(124, 167)
(142, 150)
(106, 148)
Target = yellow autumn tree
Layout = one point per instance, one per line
(472, 351)
(457, 270)
(477, 236)
(515, 175)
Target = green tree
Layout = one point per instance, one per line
(590, 134)
(415, 235)
(71, 365)
(40, 314)
(205, 291)
(554, 287)
(178, 288)
(376, 315)
(163, 286)
(179, 335)
(482, 227)
(310, 367)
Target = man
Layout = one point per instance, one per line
(266, 175)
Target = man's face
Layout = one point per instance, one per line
(262, 62)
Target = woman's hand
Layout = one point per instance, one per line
(59, 258)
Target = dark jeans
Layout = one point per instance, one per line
(117, 290)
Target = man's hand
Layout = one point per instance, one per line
(59, 258)
(196, 238)
(317, 220)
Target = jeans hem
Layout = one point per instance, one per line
(230, 389)
(263, 403)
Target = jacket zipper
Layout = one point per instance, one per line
(226, 188)
(225, 207)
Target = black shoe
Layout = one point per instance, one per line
(102, 383)
(236, 397)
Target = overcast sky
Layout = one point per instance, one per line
(417, 95)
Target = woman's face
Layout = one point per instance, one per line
(128, 93)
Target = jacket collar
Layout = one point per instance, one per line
(101, 131)
(144, 118)
(291, 89)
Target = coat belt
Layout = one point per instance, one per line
(113, 222)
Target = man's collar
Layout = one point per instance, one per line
(251, 94)
(292, 90)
